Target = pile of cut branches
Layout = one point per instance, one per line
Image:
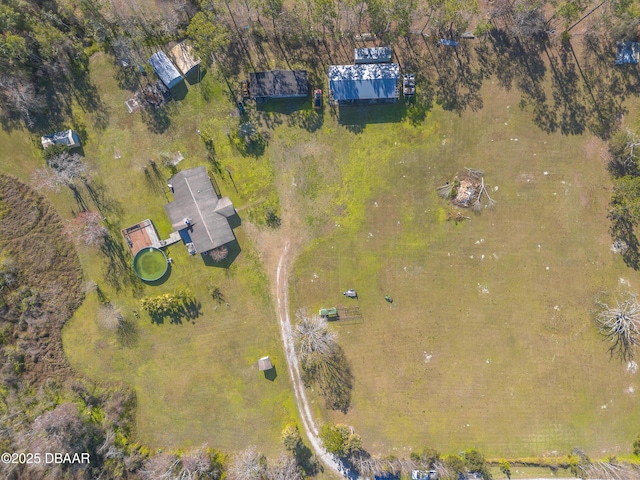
(468, 190)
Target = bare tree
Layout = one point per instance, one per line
(194, 464)
(69, 166)
(162, 466)
(61, 430)
(87, 227)
(619, 324)
(624, 150)
(247, 465)
(110, 317)
(65, 169)
(285, 468)
(20, 97)
(611, 470)
(312, 338)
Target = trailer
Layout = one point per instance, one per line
(408, 85)
(328, 312)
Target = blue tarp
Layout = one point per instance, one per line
(449, 43)
(364, 82)
(167, 72)
(627, 53)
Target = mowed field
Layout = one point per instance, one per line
(196, 382)
(489, 342)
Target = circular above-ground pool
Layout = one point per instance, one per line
(150, 264)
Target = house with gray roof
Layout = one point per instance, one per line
(166, 71)
(370, 82)
(198, 213)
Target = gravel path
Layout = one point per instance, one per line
(282, 288)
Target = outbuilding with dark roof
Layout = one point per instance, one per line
(278, 84)
(197, 213)
(364, 83)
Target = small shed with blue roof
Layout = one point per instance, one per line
(166, 70)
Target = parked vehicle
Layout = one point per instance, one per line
(409, 85)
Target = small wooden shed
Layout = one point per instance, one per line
(265, 364)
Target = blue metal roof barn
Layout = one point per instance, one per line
(167, 72)
(365, 82)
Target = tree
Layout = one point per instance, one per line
(19, 96)
(169, 304)
(619, 324)
(312, 338)
(340, 440)
(505, 467)
(323, 361)
(455, 466)
(198, 463)
(110, 316)
(65, 168)
(208, 34)
(87, 227)
(247, 465)
(216, 294)
(162, 466)
(291, 437)
(475, 462)
(624, 150)
(285, 468)
(62, 430)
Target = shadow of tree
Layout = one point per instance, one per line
(128, 333)
(158, 120)
(306, 460)
(119, 268)
(308, 119)
(332, 374)
(188, 310)
(106, 205)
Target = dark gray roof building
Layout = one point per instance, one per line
(68, 138)
(201, 217)
(373, 55)
(365, 82)
(163, 67)
(278, 84)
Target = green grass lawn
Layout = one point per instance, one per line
(489, 342)
(484, 346)
(196, 382)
